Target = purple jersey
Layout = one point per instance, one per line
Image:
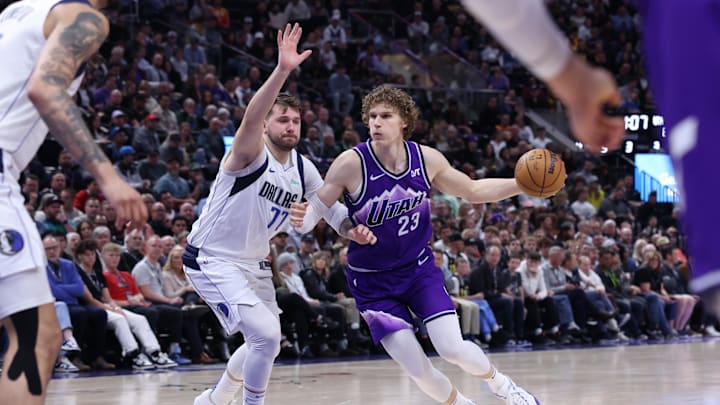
(683, 62)
(395, 207)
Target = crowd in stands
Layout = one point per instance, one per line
(592, 263)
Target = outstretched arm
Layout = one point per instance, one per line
(74, 32)
(324, 203)
(248, 142)
(454, 182)
(525, 28)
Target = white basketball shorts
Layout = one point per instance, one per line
(224, 285)
(23, 277)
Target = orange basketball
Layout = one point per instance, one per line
(540, 173)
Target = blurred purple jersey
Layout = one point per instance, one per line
(683, 62)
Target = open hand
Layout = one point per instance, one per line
(287, 41)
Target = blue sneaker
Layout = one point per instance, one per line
(179, 359)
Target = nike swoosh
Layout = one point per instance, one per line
(423, 260)
(375, 177)
(271, 170)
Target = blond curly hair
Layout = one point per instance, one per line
(395, 98)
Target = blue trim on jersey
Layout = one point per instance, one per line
(243, 182)
(301, 170)
(71, 1)
(189, 257)
(17, 96)
(80, 70)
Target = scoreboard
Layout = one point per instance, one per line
(643, 133)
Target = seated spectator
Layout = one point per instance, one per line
(649, 279)
(147, 138)
(173, 183)
(175, 284)
(315, 280)
(132, 250)
(128, 170)
(538, 297)
(92, 189)
(340, 91)
(88, 322)
(129, 327)
(69, 344)
(152, 168)
(486, 279)
(148, 276)
(303, 315)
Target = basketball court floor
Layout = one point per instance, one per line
(671, 373)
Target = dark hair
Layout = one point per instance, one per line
(85, 245)
(534, 257)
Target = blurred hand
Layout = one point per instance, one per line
(362, 235)
(586, 91)
(127, 202)
(297, 214)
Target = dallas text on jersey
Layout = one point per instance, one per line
(277, 195)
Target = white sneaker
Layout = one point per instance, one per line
(141, 362)
(204, 398)
(64, 365)
(711, 331)
(70, 345)
(162, 360)
(515, 395)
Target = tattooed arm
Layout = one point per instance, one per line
(74, 32)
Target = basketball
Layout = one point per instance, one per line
(540, 173)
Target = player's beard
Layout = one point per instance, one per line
(282, 143)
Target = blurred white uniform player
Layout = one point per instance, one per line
(22, 259)
(43, 46)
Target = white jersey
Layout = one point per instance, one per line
(22, 131)
(245, 209)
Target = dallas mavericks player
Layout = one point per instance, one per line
(386, 182)
(248, 204)
(682, 64)
(43, 45)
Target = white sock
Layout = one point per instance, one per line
(253, 398)
(461, 399)
(497, 382)
(231, 380)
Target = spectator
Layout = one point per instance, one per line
(167, 121)
(148, 276)
(340, 91)
(173, 183)
(211, 141)
(297, 11)
(128, 169)
(127, 326)
(152, 168)
(88, 322)
(147, 138)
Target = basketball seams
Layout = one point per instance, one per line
(528, 183)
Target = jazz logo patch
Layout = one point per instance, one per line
(223, 308)
(11, 242)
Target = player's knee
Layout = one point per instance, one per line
(450, 351)
(266, 340)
